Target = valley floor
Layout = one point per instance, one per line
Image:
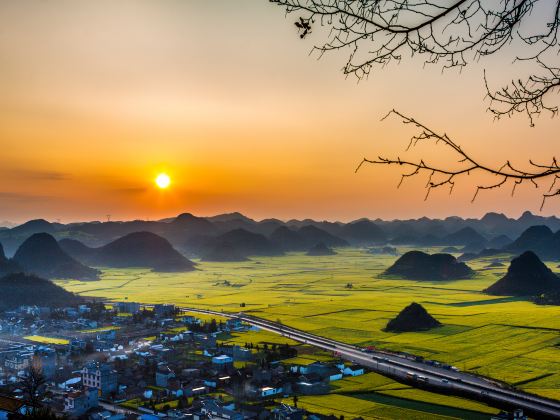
(509, 339)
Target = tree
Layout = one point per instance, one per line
(451, 33)
(213, 326)
(89, 348)
(441, 176)
(43, 413)
(32, 384)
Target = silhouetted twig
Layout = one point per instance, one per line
(452, 32)
(466, 165)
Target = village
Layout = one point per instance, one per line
(127, 361)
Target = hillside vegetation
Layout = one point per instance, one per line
(23, 289)
(418, 265)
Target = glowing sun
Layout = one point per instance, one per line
(163, 181)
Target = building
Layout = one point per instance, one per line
(189, 320)
(84, 309)
(353, 370)
(128, 307)
(162, 310)
(80, 402)
(100, 376)
(18, 361)
(206, 341)
(222, 361)
(287, 412)
(312, 384)
(10, 406)
(324, 370)
(241, 353)
(107, 415)
(504, 415)
(212, 409)
(163, 375)
(234, 324)
(267, 391)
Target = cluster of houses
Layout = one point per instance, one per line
(129, 362)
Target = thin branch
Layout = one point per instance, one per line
(465, 165)
(375, 33)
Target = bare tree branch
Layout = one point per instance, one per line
(32, 384)
(465, 164)
(525, 95)
(451, 32)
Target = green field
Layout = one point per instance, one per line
(509, 339)
(46, 340)
(101, 329)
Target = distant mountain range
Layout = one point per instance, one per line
(197, 236)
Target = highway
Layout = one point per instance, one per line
(414, 373)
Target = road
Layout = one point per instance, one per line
(414, 373)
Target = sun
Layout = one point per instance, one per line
(163, 181)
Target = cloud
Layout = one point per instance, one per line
(131, 190)
(12, 196)
(38, 175)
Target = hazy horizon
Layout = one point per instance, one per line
(10, 223)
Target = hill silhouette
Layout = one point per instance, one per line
(224, 252)
(249, 243)
(474, 247)
(233, 221)
(539, 239)
(363, 232)
(412, 318)
(76, 249)
(23, 289)
(185, 226)
(500, 241)
(463, 236)
(185, 230)
(320, 250)
(526, 275)
(140, 249)
(267, 226)
(198, 225)
(313, 235)
(42, 255)
(288, 239)
(7, 266)
(33, 226)
(417, 265)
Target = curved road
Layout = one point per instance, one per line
(415, 373)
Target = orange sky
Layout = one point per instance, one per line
(98, 97)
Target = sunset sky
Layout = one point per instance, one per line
(98, 97)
